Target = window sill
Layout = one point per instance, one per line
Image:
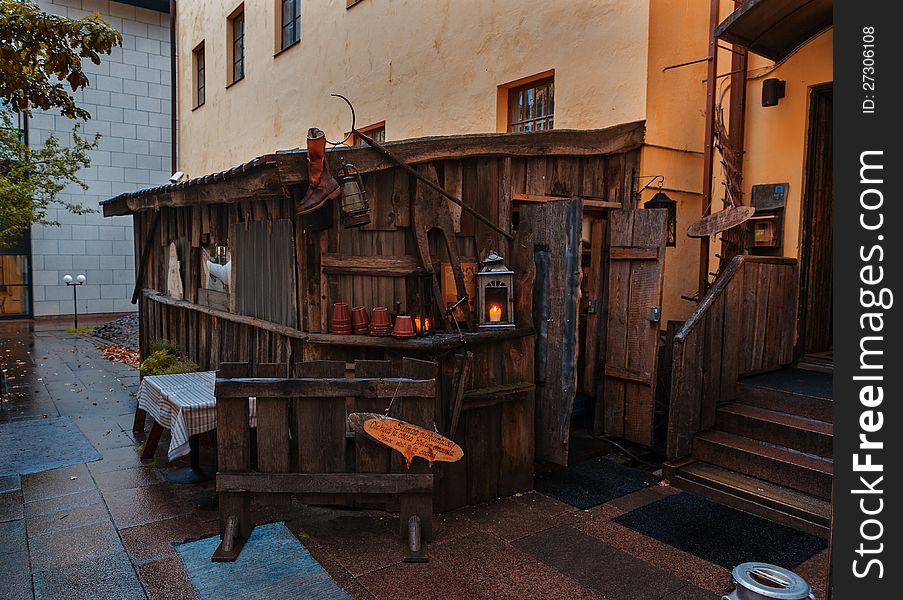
(351, 3)
(197, 107)
(234, 82)
(287, 48)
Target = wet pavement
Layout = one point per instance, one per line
(106, 529)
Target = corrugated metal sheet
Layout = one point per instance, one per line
(264, 271)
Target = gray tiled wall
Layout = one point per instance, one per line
(129, 99)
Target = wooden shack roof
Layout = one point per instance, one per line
(270, 175)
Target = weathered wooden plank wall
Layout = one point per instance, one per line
(367, 267)
(740, 328)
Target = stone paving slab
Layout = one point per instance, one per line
(477, 552)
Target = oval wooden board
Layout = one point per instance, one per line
(720, 221)
(408, 439)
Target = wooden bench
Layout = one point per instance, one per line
(303, 446)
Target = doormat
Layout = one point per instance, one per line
(592, 482)
(720, 534)
(273, 564)
(34, 445)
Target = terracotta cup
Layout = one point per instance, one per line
(404, 327)
(341, 314)
(360, 320)
(379, 318)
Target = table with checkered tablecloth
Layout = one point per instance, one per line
(185, 404)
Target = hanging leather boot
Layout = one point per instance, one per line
(321, 186)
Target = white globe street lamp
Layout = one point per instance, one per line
(81, 279)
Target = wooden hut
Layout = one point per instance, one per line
(541, 190)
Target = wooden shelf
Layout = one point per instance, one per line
(434, 343)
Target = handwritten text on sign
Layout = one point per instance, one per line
(408, 439)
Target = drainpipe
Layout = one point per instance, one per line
(172, 95)
(708, 154)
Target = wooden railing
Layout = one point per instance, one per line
(303, 446)
(744, 324)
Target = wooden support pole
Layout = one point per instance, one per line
(708, 161)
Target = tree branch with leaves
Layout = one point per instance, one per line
(41, 64)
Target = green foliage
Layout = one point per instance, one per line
(165, 359)
(164, 346)
(40, 53)
(80, 329)
(32, 179)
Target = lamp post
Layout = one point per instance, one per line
(79, 280)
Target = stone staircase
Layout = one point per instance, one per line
(769, 452)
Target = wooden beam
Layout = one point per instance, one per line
(633, 253)
(626, 375)
(325, 483)
(326, 387)
(385, 266)
(155, 296)
(588, 202)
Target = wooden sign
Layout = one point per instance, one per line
(408, 439)
(720, 221)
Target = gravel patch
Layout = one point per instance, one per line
(122, 331)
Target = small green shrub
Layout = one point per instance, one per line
(165, 359)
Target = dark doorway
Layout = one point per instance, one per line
(816, 274)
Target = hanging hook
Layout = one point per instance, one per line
(350, 131)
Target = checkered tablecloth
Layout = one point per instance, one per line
(185, 404)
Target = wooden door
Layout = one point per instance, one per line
(555, 230)
(816, 276)
(636, 269)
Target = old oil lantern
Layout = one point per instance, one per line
(354, 205)
(661, 200)
(420, 301)
(495, 291)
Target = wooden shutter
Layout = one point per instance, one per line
(555, 227)
(637, 260)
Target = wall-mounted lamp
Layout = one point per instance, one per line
(772, 91)
(80, 280)
(661, 200)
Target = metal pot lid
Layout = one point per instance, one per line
(770, 581)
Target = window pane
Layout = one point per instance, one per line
(531, 107)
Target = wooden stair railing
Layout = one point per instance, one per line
(744, 324)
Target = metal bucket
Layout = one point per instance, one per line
(761, 581)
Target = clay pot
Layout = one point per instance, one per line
(360, 320)
(380, 323)
(341, 319)
(404, 327)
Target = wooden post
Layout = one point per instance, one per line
(708, 160)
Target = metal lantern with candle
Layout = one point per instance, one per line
(354, 205)
(420, 300)
(495, 293)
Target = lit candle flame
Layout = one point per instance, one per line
(495, 313)
(426, 324)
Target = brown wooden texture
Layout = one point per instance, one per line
(816, 279)
(555, 230)
(744, 324)
(635, 286)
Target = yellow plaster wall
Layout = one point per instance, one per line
(776, 135)
(425, 67)
(675, 131)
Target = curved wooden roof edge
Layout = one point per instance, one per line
(258, 179)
